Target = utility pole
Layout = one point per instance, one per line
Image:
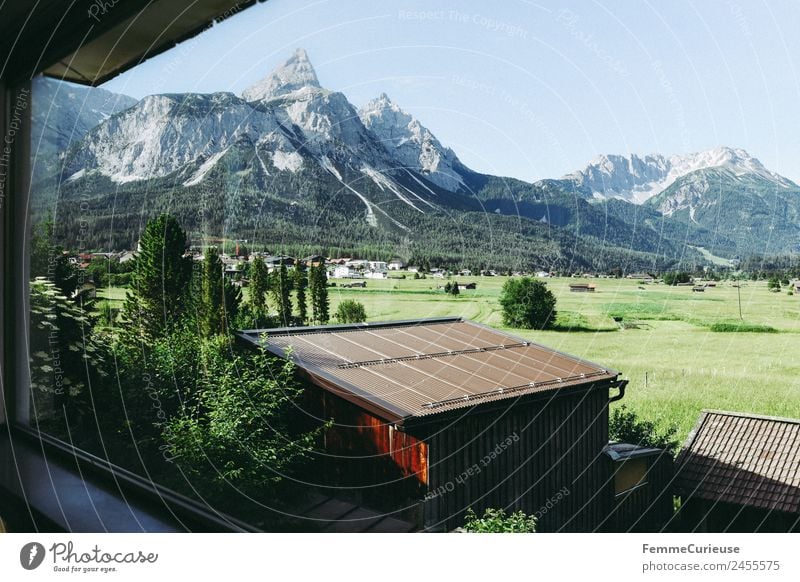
(739, 293)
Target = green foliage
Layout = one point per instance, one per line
(452, 288)
(219, 298)
(351, 311)
(281, 288)
(496, 521)
(50, 261)
(774, 283)
(673, 278)
(259, 286)
(159, 291)
(318, 286)
(527, 303)
(741, 326)
(65, 356)
(626, 427)
(244, 431)
(300, 284)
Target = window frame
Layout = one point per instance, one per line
(132, 490)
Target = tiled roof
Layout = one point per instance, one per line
(743, 459)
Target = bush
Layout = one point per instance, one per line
(741, 326)
(527, 304)
(496, 521)
(351, 311)
(243, 430)
(625, 426)
(676, 277)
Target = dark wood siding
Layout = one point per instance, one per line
(543, 457)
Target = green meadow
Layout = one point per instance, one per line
(682, 351)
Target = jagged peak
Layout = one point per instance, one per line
(295, 74)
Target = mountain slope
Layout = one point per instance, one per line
(636, 179)
(292, 163)
(62, 114)
(752, 210)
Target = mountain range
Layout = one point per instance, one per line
(292, 165)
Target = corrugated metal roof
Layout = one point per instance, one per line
(743, 459)
(424, 367)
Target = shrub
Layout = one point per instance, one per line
(244, 430)
(496, 521)
(527, 304)
(351, 311)
(624, 425)
(741, 326)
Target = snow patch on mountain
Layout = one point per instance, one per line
(638, 179)
(384, 183)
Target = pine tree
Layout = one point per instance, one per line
(281, 293)
(318, 282)
(159, 289)
(300, 280)
(219, 299)
(259, 285)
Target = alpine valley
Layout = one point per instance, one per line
(293, 167)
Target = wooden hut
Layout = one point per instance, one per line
(740, 473)
(437, 416)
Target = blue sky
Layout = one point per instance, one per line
(529, 89)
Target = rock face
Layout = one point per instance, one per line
(411, 143)
(63, 113)
(637, 179)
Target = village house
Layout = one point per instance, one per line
(492, 420)
(396, 265)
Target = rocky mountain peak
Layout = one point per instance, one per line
(294, 75)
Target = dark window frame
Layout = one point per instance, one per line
(132, 491)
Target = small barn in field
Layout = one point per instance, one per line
(740, 473)
(432, 417)
(582, 288)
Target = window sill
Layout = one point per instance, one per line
(66, 493)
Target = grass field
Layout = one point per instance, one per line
(676, 363)
(667, 338)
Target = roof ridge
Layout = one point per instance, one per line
(751, 415)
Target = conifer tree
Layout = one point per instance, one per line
(300, 280)
(281, 293)
(259, 286)
(159, 290)
(219, 298)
